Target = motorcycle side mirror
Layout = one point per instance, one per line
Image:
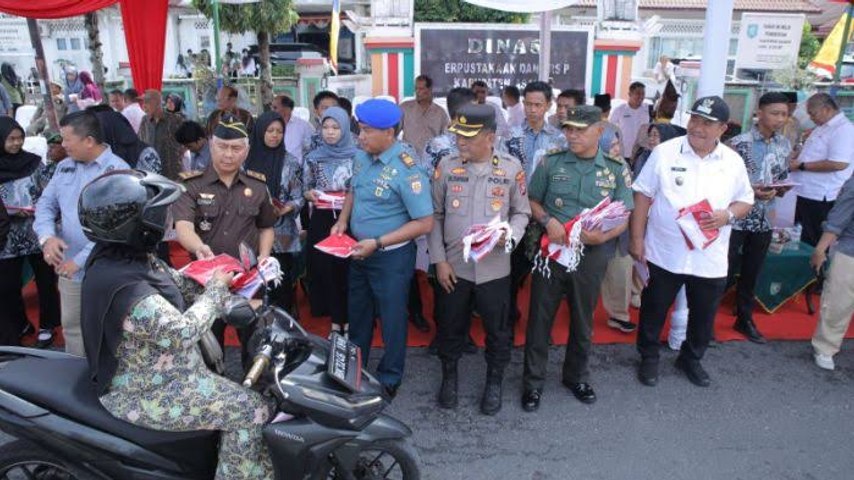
(248, 260)
(238, 312)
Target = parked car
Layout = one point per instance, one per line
(289, 53)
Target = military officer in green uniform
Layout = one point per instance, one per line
(563, 185)
(474, 187)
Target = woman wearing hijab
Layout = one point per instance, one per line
(175, 104)
(119, 135)
(13, 85)
(328, 169)
(610, 143)
(283, 174)
(91, 94)
(657, 133)
(73, 87)
(21, 184)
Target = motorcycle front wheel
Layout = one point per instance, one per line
(23, 460)
(382, 460)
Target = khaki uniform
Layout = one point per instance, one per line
(224, 217)
(465, 194)
(565, 185)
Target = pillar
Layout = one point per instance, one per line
(612, 66)
(392, 66)
(716, 37)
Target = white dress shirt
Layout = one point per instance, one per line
(134, 113)
(832, 141)
(516, 114)
(720, 177)
(297, 134)
(629, 120)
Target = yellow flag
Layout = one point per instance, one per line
(824, 63)
(334, 28)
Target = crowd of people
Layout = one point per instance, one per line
(412, 179)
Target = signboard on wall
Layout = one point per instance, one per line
(769, 41)
(455, 55)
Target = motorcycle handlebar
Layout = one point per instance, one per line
(258, 366)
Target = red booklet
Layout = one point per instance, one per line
(338, 245)
(202, 270)
(689, 222)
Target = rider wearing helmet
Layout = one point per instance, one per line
(142, 322)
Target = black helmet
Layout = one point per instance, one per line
(127, 207)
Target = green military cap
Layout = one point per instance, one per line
(52, 137)
(582, 116)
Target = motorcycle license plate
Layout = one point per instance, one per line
(345, 362)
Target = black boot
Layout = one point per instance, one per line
(448, 390)
(490, 404)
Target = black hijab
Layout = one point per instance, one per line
(266, 160)
(17, 165)
(116, 278)
(9, 74)
(119, 135)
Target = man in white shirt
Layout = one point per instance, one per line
(422, 118)
(511, 96)
(132, 110)
(680, 173)
(630, 116)
(481, 91)
(822, 166)
(297, 131)
(664, 70)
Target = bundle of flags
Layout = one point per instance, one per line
(329, 200)
(689, 222)
(607, 215)
(245, 283)
(480, 239)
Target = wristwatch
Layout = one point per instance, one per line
(379, 243)
(544, 220)
(731, 219)
(802, 167)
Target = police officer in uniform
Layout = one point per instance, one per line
(473, 187)
(224, 206)
(387, 206)
(563, 185)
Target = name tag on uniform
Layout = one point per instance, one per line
(206, 199)
(678, 169)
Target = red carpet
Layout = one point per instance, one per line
(790, 322)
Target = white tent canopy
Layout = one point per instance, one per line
(523, 6)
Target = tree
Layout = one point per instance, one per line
(460, 11)
(809, 46)
(266, 18)
(96, 55)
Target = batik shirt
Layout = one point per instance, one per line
(291, 193)
(767, 163)
(327, 175)
(23, 192)
(437, 149)
(530, 147)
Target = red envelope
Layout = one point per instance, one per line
(338, 245)
(689, 222)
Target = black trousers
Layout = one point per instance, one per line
(581, 290)
(453, 317)
(13, 315)
(747, 252)
(414, 305)
(811, 214)
(704, 296)
(327, 275)
(284, 295)
(520, 269)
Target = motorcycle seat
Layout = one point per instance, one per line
(63, 387)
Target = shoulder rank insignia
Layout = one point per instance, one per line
(256, 175)
(614, 159)
(555, 151)
(407, 160)
(190, 175)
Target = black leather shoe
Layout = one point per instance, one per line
(419, 322)
(749, 330)
(490, 403)
(694, 371)
(448, 390)
(391, 390)
(531, 400)
(648, 373)
(582, 391)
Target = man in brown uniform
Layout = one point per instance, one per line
(471, 188)
(224, 206)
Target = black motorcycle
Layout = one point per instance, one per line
(328, 424)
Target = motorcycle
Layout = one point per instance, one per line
(329, 421)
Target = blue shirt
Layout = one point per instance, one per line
(389, 190)
(529, 147)
(59, 203)
(840, 220)
(201, 159)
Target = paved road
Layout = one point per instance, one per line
(769, 414)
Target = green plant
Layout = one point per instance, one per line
(460, 11)
(809, 46)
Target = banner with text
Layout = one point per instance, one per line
(455, 55)
(769, 41)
